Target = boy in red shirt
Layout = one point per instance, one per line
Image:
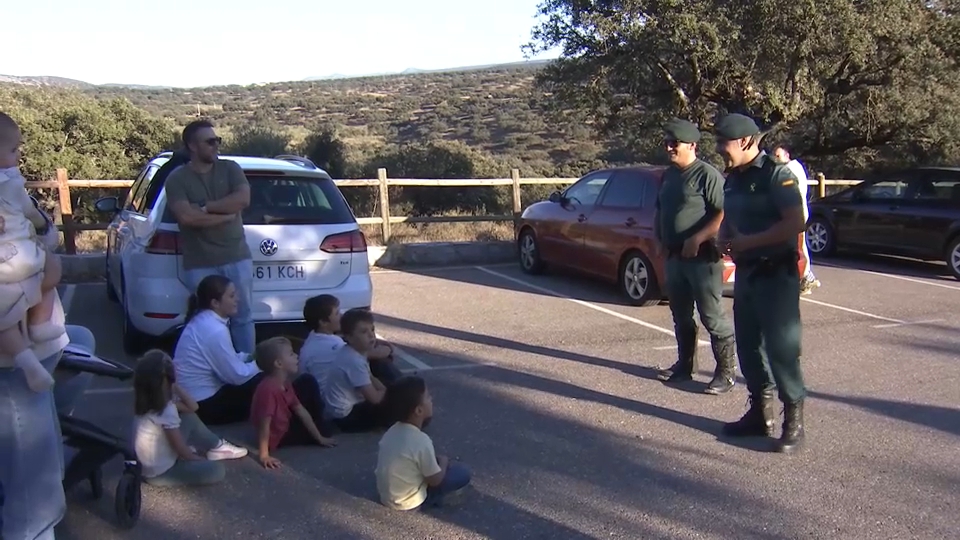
(276, 412)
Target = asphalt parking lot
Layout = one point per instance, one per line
(544, 386)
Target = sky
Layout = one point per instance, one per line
(187, 43)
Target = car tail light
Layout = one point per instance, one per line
(164, 243)
(348, 242)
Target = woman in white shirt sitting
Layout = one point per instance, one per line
(220, 379)
(209, 369)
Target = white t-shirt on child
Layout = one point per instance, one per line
(339, 373)
(150, 442)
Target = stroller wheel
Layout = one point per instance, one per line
(128, 499)
(96, 484)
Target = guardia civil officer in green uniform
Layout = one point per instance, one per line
(689, 213)
(763, 216)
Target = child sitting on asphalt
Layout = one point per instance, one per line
(322, 314)
(167, 431)
(281, 419)
(351, 393)
(409, 473)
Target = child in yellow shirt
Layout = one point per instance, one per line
(409, 472)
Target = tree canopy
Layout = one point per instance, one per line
(846, 82)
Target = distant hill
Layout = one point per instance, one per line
(496, 109)
(72, 83)
(532, 64)
(44, 80)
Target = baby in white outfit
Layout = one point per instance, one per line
(29, 273)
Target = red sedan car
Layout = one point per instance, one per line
(602, 226)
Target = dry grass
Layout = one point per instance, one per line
(400, 233)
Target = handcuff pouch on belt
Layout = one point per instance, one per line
(708, 252)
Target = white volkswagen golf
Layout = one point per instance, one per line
(303, 235)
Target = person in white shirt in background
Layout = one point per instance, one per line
(782, 154)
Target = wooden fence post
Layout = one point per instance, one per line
(821, 185)
(517, 204)
(384, 205)
(66, 211)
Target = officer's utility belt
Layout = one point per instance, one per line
(708, 252)
(768, 265)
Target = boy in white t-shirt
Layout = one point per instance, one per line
(352, 395)
(322, 314)
(29, 272)
(409, 472)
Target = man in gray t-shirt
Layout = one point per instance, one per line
(206, 197)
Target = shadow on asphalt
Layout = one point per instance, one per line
(538, 473)
(939, 418)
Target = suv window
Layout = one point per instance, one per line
(139, 187)
(626, 190)
(885, 190)
(587, 190)
(294, 199)
(937, 186)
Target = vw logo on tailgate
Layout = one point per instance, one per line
(268, 247)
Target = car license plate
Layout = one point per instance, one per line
(285, 272)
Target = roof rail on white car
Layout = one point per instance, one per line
(298, 160)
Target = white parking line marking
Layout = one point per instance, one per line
(893, 276)
(458, 366)
(896, 325)
(67, 298)
(427, 269)
(407, 357)
(855, 311)
(674, 347)
(595, 307)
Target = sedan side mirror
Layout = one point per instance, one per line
(107, 205)
(556, 197)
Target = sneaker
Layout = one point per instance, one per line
(808, 284)
(226, 450)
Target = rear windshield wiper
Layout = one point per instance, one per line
(269, 220)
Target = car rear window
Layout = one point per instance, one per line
(279, 199)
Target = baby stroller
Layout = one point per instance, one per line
(95, 447)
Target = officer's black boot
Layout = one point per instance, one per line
(757, 422)
(724, 352)
(686, 362)
(792, 436)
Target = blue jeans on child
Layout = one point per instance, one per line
(193, 473)
(456, 478)
(241, 274)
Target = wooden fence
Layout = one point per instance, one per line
(62, 184)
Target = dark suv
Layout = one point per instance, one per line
(910, 213)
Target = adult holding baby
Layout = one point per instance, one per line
(31, 460)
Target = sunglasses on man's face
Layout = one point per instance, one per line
(213, 141)
(671, 143)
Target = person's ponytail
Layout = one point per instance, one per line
(193, 307)
(211, 289)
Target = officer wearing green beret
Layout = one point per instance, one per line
(689, 213)
(764, 215)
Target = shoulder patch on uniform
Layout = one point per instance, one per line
(788, 182)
